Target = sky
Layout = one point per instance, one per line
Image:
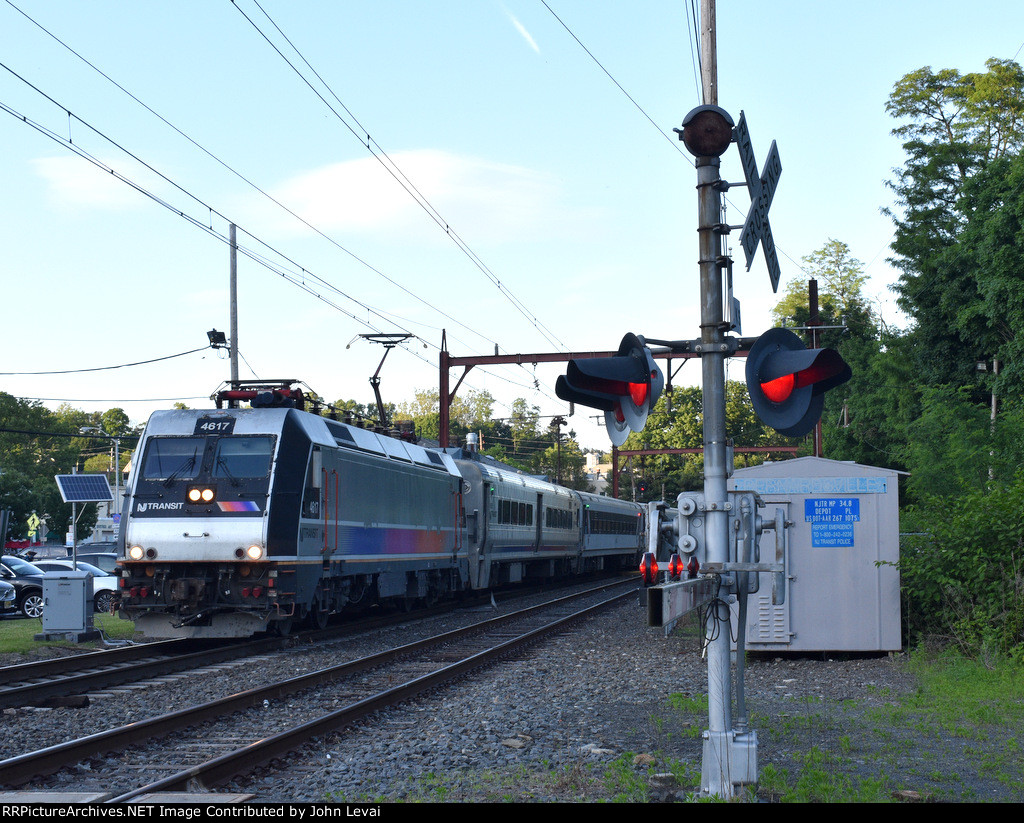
(504, 173)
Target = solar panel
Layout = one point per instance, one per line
(83, 488)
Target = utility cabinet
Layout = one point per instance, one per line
(842, 583)
(67, 606)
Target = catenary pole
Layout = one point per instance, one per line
(233, 350)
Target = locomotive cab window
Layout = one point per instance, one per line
(247, 456)
(172, 458)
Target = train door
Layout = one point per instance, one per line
(539, 523)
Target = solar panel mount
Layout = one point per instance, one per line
(83, 488)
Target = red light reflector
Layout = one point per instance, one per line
(675, 567)
(134, 591)
(144, 592)
(257, 591)
(246, 591)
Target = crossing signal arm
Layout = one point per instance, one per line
(787, 381)
(625, 387)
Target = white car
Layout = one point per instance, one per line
(104, 585)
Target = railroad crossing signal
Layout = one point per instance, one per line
(762, 189)
(625, 387)
(787, 382)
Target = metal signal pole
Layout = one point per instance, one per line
(707, 133)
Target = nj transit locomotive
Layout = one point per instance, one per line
(246, 520)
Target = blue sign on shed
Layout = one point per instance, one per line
(832, 520)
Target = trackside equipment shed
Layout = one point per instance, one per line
(842, 584)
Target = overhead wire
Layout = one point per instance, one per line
(675, 143)
(250, 183)
(101, 368)
(294, 278)
(388, 163)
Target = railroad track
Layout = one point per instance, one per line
(256, 726)
(66, 681)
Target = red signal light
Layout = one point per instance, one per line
(779, 389)
(787, 382)
(649, 568)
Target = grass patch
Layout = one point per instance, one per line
(963, 712)
(17, 635)
(820, 780)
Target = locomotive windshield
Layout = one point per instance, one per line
(171, 458)
(181, 458)
(243, 457)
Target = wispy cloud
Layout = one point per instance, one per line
(72, 181)
(478, 197)
(522, 31)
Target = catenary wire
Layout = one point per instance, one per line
(400, 177)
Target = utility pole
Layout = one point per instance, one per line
(708, 53)
(233, 349)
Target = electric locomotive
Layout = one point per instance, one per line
(240, 521)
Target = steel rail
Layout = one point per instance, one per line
(20, 769)
(244, 760)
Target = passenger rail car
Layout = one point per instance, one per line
(246, 520)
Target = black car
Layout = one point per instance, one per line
(28, 584)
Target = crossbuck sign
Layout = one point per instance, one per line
(762, 189)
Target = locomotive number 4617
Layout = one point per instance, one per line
(213, 425)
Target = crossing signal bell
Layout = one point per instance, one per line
(625, 387)
(787, 381)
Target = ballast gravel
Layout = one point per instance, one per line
(604, 711)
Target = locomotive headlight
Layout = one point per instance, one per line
(136, 553)
(254, 552)
(200, 494)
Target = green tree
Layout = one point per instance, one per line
(568, 463)
(467, 413)
(962, 135)
(841, 280)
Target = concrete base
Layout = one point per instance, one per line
(71, 635)
(730, 762)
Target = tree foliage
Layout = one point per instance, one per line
(959, 219)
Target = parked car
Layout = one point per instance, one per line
(107, 561)
(8, 598)
(28, 584)
(104, 584)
